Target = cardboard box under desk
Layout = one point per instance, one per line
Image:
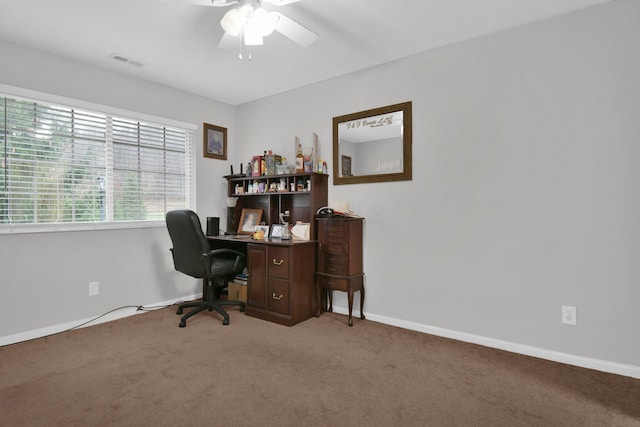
(237, 292)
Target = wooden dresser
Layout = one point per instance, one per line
(340, 260)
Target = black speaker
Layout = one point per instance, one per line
(213, 226)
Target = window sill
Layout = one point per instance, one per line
(90, 226)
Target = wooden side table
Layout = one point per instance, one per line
(348, 284)
(340, 260)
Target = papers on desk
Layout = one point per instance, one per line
(300, 231)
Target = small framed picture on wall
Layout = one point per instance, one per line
(215, 141)
(346, 165)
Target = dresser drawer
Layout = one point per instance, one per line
(333, 283)
(333, 232)
(278, 298)
(337, 269)
(332, 248)
(332, 264)
(278, 262)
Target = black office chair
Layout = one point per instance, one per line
(192, 255)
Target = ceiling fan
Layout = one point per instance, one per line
(249, 22)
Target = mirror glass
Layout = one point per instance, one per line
(373, 145)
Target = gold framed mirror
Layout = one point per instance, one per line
(373, 145)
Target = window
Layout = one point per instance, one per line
(66, 165)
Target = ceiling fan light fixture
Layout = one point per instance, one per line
(248, 24)
(233, 21)
(262, 22)
(252, 37)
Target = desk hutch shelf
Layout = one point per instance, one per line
(309, 195)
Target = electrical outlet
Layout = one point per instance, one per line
(569, 315)
(94, 288)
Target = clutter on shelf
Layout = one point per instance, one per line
(306, 160)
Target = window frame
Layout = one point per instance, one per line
(41, 97)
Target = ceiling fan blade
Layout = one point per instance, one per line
(217, 3)
(222, 3)
(280, 2)
(296, 32)
(229, 42)
(190, 2)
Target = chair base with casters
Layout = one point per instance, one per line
(210, 304)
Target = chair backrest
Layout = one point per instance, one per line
(189, 242)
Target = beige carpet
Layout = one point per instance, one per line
(145, 371)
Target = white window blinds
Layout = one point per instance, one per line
(66, 165)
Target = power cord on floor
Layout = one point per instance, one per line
(94, 319)
(137, 307)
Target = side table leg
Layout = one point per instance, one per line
(362, 302)
(350, 296)
(318, 298)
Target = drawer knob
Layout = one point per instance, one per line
(277, 298)
(277, 263)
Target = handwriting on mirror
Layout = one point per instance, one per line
(382, 121)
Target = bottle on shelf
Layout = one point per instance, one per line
(255, 169)
(299, 160)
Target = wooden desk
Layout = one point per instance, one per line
(280, 285)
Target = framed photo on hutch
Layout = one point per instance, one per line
(214, 141)
(248, 220)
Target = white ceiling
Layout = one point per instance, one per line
(177, 43)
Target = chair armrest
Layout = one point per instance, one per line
(222, 251)
(207, 256)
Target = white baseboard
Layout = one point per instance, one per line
(82, 323)
(555, 356)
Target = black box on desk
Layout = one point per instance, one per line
(237, 292)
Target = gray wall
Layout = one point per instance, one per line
(523, 196)
(524, 193)
(45, 277)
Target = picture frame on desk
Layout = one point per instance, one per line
(263, 228)
(277, 230)
(214, 141)
(248, 220)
